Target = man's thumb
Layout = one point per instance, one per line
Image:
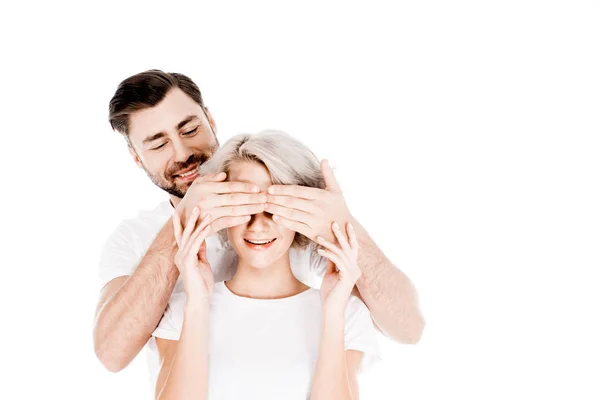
(330, 182)
(211, 178)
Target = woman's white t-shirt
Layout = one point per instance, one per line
(127, 245)
(267, 349)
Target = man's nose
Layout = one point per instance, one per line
(182, 152)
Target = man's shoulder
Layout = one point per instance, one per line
(144, 226)
(149, 217)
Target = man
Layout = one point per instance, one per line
(170, 132)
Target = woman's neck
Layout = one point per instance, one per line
(273, 282)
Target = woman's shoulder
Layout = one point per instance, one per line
(356, 308)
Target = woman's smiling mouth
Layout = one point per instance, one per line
(259, 244)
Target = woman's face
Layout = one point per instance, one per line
(260, 242)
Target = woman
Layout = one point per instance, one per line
(263, 333)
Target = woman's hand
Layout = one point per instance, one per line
(342, 268)
(190, 259)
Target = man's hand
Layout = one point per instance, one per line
(228, 203)
(309, 211)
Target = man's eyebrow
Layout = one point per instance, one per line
(185, 121)
(153, 137)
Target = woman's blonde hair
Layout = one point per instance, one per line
(288, 161)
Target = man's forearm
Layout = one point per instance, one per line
(388, 293)
(331, 375)
(127, 317)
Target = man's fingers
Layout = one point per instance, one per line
(236, 211)
(234, 199)
(289, 213)
(330, 182)
(228, 222)
(305, 205)
(219, 177)
(293, 225)
(231, 187)
(302, 192)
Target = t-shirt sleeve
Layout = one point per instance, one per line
(360, 333)
(171, 322)
(118, 256)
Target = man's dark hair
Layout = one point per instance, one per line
(145, 90)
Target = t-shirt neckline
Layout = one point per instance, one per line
(232, 295)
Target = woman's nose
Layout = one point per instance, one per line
(260, 222)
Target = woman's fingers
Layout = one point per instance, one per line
(190, 224)
(198, 238)
(353, 239)
(333, 258)
(329, 246)
(201, 231)
(207, 220)
(177, 227)
(341, 237)
(202, 252)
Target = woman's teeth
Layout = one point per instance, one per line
(259, 241)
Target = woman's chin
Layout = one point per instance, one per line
(259, 261)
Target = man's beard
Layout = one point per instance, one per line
(166, 181)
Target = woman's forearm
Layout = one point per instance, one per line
(131, 307)
(188, 377)
(331, 375)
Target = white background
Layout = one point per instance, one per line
(465, 135)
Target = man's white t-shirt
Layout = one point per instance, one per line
(125, 248)
(127, 245)
(267, 349)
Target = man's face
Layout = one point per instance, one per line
(171, 140)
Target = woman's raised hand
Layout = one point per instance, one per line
(190, 259)
(342, 267)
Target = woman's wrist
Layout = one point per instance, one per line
(333, 325)
(333, 313)
(197, 305)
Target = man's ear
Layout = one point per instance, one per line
(136, 158)
(211, 120)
